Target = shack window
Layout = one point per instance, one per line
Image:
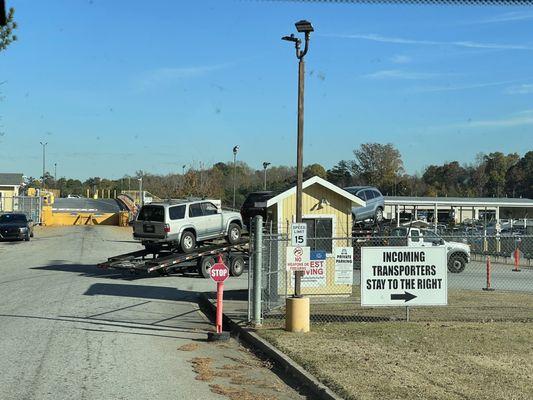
(319, 234)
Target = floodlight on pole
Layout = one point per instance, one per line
(265, 166)
(141, 191)
(44, 160)
(235, 151)
(306, 28)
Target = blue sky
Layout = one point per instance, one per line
(116, 86)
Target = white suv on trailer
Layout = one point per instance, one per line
(180, 224)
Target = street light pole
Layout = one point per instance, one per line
(55, 171)
(265, 166)
(44, 160)
(235, 151)
(306, 28)
(141, 195)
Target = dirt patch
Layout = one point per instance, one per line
(238, 393)
(203, 366)
(189, 347)
(397, 360)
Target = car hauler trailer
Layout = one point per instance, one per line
(235, 256)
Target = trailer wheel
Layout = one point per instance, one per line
(237, 266)
(204, 266)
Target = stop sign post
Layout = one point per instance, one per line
(219, 273)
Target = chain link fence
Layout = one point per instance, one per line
(335, 294)
(29, 205)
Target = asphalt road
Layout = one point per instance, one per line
(86, 204)
(71, 331)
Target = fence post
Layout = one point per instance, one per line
(488, 286)
(258, 264)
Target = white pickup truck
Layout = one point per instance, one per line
(458, 253)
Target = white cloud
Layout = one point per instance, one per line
(505, 17)
(168, 75)
(398, 40)
(399, 74)
(516, 119)
(525, 88)
(401, 59)
(451, 87)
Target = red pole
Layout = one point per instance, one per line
(516, 260)
(488, 287)
(220, 294)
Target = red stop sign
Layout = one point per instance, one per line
(219, 272)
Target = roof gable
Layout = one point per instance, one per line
(319, 181)
(8, 179)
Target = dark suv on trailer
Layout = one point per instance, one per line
(15, 226)
(255, 204)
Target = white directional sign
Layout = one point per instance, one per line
(403, 276)
(299, 234)
(298, 258)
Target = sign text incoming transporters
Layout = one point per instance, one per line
(403, 276)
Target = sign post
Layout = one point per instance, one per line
(403, 276)
(219, 273)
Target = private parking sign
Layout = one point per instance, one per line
(404, 276)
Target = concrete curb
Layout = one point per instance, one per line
(296, 371)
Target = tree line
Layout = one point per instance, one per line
(380, 165)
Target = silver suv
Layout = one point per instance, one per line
(182, 224)
(375, 203)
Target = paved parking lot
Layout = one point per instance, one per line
(72, 331)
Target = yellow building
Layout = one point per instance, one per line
(327, 211)
(10, 185)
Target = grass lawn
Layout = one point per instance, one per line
(416, 360)
(463, 305)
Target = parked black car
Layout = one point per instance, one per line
(255, 204)
(15, 226)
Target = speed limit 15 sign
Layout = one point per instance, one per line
(299, 234)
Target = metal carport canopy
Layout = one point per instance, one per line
(459, 201)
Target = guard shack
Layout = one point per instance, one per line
(327, 211)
